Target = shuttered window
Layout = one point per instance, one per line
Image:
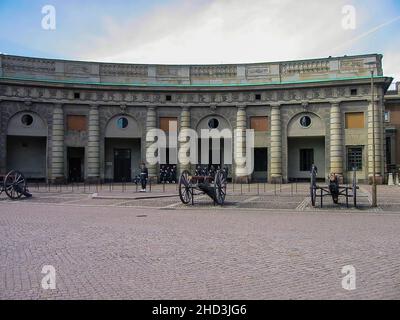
(354, 120)
(259, 123)
(165, 123)
(76, 123)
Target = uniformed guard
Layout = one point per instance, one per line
(144, 174)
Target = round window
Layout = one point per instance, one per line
(305, 121)
(27, 120)
(213, 123)
(122, 123)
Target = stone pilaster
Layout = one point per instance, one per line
(336, 140)
(276, 144)
(93, 148)
(151, 123)
(377, 121)
(241, 125)
(57, 144)
(184, 125)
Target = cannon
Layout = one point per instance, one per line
(333, 189)
(210, 182)
(14, 185)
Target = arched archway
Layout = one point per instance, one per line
(306, 145)
(27, 144)
(215, 134)
(122, 153)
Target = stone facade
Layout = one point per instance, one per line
(322, 89)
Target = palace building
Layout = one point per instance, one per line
(72, 120)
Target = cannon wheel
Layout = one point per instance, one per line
(14, 184)
(220, 187)
(185, 194)
(354, 187)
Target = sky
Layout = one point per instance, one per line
(203, 31)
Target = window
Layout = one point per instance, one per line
(258, 96)
(213, 123)
(77, 95)
(354, 158)
(27, 120)
(168, 122)
(76, 123)
(122, 123)
(306, 159)
(388, 151)
(387, 116)
(353, 92)
(305, 121)
(354, 120)
(259, 123)
(168, 98)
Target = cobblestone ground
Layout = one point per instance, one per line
(259, 246)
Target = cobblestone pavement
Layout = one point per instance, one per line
(251, 197)
(145, 249)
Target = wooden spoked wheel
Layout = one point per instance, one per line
(185, 192)
(220, 187)
(14, 184)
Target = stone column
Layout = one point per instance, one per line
(57, 144)
(184, 125)
(151, 123)
(276, 144)
(378, 142)
(336, 138)
(241, 125)
(93, 148)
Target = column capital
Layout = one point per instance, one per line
(185, 107)
(94, 106)
(241, 106)
(151, 107)
(275, 105)
(56, 105)
(376, 100)
(335, 102)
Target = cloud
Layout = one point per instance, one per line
(223, 31)
(234, 31)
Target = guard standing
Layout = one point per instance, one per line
(144, 174)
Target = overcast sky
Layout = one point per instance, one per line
(202, 31)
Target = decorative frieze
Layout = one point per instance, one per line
(118, 97)
(268, 72)
(351, 65)
(11, 63)
(258, 71)
(126, 70)
(312, 66)
(213, 71)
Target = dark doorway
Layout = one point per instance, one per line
(260, 164)
(76, 160)
(122, 165)
(306, 159)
